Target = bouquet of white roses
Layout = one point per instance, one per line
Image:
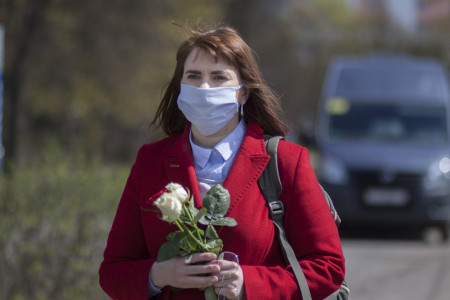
(176, 206)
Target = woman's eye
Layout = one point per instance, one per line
(220, 77)
(193, 76)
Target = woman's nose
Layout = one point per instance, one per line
(205, 85)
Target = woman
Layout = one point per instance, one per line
(215, 112)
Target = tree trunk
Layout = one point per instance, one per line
(17, 50)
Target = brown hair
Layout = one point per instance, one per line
(262, 105)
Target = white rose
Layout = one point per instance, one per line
(178, 191)
(170, 206)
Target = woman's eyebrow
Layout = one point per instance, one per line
(221, 72)
(218, 72)
(193, 72)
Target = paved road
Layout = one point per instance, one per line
(397, 269)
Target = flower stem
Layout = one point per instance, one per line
(177, 222)
(188, 213)
(192, 219)
(199, 242)
(193, 224)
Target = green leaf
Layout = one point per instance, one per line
(211, 233)
(175, 236)
(201, 232)
(217, 201)
(201, 213)
(215, 245)
(210, 294)
(168, 250)
(171, 236)
(188, 244)
(204, 221)
(226, 221)
(193, 210)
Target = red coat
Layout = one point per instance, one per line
(136, 234)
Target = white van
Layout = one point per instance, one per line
(383, 134)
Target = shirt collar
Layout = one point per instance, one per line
(226, 147)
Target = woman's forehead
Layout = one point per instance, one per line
(200, 56)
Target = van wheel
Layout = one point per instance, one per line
(439, 234)
(433, 235)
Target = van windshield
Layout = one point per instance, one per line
(400, 122)
(398, 83)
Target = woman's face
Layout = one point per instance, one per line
(203, 71)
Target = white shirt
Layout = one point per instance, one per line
(212, 165)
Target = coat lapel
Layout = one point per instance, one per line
(248, 165)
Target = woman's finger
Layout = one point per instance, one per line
(227, 265)
(196, 258)
(230, 284)
(229, 291)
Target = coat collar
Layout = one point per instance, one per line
(249, 163)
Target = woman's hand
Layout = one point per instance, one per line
(231, 280)
(186, 272)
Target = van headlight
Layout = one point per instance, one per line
(332, 170)
(437, 179)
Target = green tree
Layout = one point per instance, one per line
(90, 73)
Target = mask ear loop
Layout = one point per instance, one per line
(241, 106)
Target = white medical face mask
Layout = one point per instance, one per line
(209, 110)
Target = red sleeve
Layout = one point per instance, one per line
(124, 271)
(311, 231)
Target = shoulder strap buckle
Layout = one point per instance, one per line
(276, 209)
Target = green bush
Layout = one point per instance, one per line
(55, 215)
